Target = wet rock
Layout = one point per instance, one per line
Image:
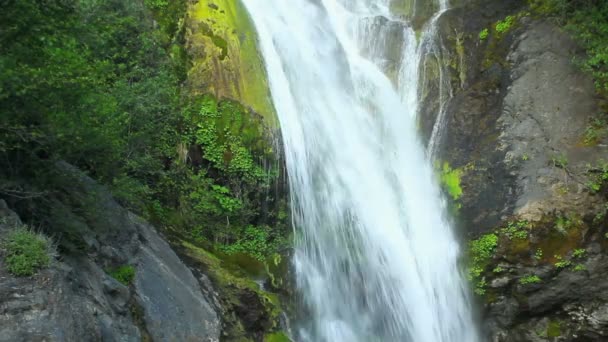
(76, 300)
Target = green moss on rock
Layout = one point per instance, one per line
(277, 337)
(248, 309)
(225, 57)
(553, 329)
(450, 179)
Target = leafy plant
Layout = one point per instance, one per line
(579, 268)
(530, 279)
(481, 251)
(538, 254)
(27, 251)
(124, 274)
(579, 253)
(516, 230)
(484, 34)
(505, 25)
(561, 263)
(560, 161)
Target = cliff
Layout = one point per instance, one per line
(523, 139)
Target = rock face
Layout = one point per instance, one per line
(76, 300)
(225, 60)
(515, 132)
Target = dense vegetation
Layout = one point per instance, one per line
(26, 251)
(97, 84)
(587, 20)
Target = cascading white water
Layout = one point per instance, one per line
(375, 258)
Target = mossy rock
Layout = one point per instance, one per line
(277, 337)
(225, 60)
(249, 311)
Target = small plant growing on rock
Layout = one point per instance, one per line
(483, 35)
(579, 268)
(481, 251)
(579, 253)
(505, 25)
(531, 279)
(27, 251)
(538, 254)
(561, 263)
(124, 274)
(498, 269)
(516, 230)
(560, 161)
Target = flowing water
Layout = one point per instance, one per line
(375, 258)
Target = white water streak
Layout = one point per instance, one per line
(375, 258)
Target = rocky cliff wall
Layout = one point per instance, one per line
(533, 202)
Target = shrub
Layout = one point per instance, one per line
(531, 279)
(579, 253)
(123, 274)
(505, 25)
(27, 251)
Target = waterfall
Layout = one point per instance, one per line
(375, 258)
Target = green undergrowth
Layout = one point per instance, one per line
(26, 251)
(556, 240)
(124, 274)
(99, 85)
(481, 252)
(587, 21)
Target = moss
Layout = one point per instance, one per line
(450, 179)
(553, 329)
(231, 65)
(277, 337)
(240, 295)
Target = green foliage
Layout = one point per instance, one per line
(595, 131)
(579, 268)
(599, 177)
(553, 329)
(530, 279)
(498, 269)
(588, 23)
(124, 274)
(450, 179)
(579, 253)
(277, 337)
(516, 230)
(255, 241)
(484, 34)
(505, 25)
(26, 251)
(538, 254)
(560, 161)
(481, 251)
(561, 263)
(97, 84)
